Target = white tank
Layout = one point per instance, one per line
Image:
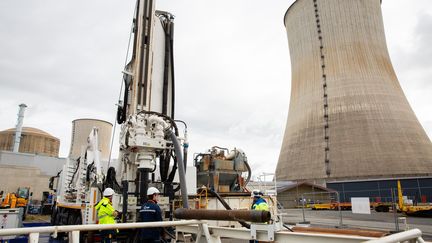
(80, 131)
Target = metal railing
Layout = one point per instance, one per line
(34, 232)
(205, 233)
(411, 236)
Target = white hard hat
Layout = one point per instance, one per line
(108, 192)
(152, 190)
(256, 193)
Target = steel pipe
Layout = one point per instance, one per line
(227, 215)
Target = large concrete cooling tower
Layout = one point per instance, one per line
(81, 129)
(348, 116)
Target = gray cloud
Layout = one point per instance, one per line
(63, 59)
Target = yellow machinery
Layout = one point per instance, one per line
(16, 200)
(410, 209)
(203, 198)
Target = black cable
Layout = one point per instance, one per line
(227, 207)
(286, 226)
(51, 180)
(172, 122)
(173, 170)
(90, 168)
(111, 180)
(172, 70)
(221, 148)
(165, 24)
(76, 170)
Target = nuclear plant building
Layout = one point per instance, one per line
(33, 158)
(349, 124)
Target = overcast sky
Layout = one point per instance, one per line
(64, 60)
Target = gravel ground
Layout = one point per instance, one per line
(375, 220)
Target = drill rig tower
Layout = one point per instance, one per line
(149, 135)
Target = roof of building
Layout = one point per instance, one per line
(292, 185)
(30, 130)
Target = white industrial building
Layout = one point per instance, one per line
(28, 170)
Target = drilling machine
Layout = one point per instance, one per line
(149, 136)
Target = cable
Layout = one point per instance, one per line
(227, 207)
(288, 228)
(76, 170)
(121, 86)
(173, 124)
(249, 173)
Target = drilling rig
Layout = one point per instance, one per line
(149, 137)
(152, 152)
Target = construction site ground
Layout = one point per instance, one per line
(374, 221)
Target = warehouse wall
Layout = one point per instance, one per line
(47, 165)
(291, 198)
(13, 177)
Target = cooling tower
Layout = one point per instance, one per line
(81, 129)
(348, 116)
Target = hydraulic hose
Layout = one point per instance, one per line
(172, 69)
(173, 170)
(249, 173)
(121, 110)
(181, 168)
(185, 144)
(111, 180)
(171, 121)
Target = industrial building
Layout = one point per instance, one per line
(348, 118)
(291, 195)
(33, 158)
(36, 161)
(28, 170)
(33, 141)
(417, 189)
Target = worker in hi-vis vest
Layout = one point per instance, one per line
(106, 214)
(259, 203)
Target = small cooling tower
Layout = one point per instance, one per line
(348, 116)
(81, 129)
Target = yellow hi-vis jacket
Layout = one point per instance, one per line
(105, 211)
(260, 204)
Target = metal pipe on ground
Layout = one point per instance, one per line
(256, 216)
(366, 233)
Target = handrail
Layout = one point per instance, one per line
(414, 234)
(201, 227)
(91, 227)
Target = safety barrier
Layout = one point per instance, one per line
(413, 235)
(74, 230)
(213, 234)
